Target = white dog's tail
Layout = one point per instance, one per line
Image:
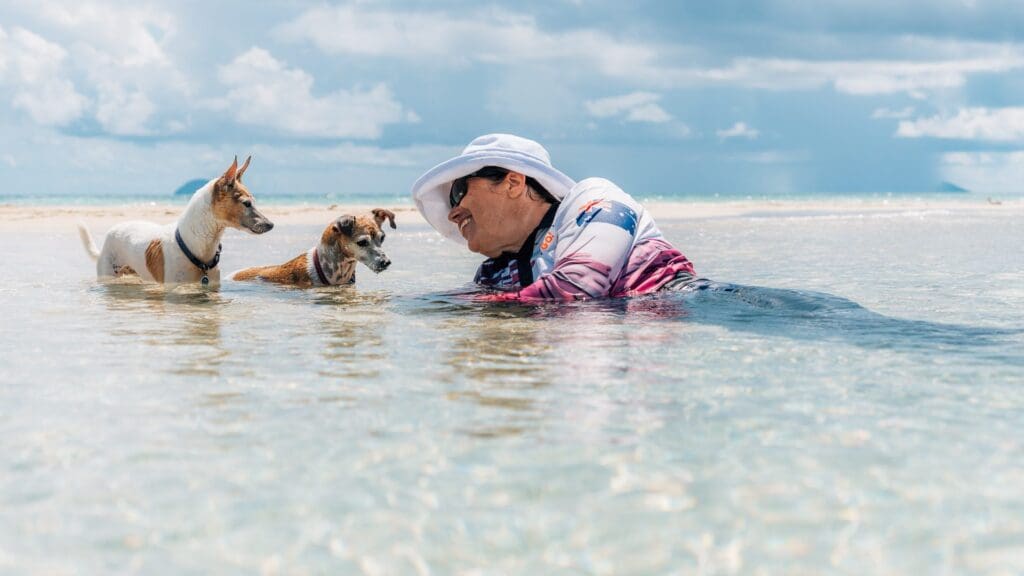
(90, 246)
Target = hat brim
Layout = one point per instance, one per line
(430, 191)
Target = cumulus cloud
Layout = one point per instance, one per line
(264, 91)
(862, 77)
(116, 54)
(35, 68)
(888, 113)
(123, 112)
(633, 107)
(457, 38)
(738, 130)
(502, 38)
(996, 124)
(351, 154)
(133, 35)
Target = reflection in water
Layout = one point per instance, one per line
(498, 358)
(506, 356)
(354, 347)
(795, 314)
(187, 318)
(807, 315)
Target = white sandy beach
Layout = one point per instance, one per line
(62, 216)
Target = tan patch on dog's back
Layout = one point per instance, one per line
(293, 272)
(155, 260)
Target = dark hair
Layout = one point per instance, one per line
(496, 174)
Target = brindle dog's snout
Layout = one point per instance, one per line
(384, 263)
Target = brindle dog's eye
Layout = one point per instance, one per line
(247, 203)
(363, 242)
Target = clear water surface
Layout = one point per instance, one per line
(863, 415)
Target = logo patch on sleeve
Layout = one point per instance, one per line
(608, 212)
(548, 238)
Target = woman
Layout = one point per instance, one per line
(545, 236)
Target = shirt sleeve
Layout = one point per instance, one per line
(593, 237)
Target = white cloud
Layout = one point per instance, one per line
(349, 154)
(3, 52)
(264, 91)
(634, 107)
(772, 157)
(998, 124)
(119, 57)
(132, 35)
(34, 67)
(122, 112)
(985, 172)
(861, 77)
(888, 113)
(503, 38)
(738, 130)
(106, 165)
(492, 37)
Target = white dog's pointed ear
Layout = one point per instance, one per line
(231, 173)
(244, 166)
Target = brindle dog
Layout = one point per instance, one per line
(332, 262)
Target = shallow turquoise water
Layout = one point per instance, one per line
(863, 416)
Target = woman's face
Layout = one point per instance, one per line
(488, 215)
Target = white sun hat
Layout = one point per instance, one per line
(514, 153)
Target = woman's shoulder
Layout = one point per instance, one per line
(594, 186)
(593, 190)
(597, 200)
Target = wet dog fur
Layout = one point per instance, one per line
(347, 240)
(151, 251)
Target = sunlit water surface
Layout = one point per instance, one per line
(863, 415)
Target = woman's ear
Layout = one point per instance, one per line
(516, 179)
(516, 183)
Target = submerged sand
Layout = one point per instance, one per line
(855, 408)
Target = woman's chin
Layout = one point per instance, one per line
(484, 250)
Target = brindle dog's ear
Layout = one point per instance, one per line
(380, 214)
(345, 225)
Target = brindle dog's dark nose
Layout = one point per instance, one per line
(384, 264)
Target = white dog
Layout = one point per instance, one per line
(188, 250)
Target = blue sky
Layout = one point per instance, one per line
(763, 98)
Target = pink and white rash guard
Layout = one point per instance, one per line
(598, 242)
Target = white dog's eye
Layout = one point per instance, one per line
(363, 242)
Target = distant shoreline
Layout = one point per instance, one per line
(15, 199)
(63, 215)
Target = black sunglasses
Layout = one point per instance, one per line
(460, 186)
